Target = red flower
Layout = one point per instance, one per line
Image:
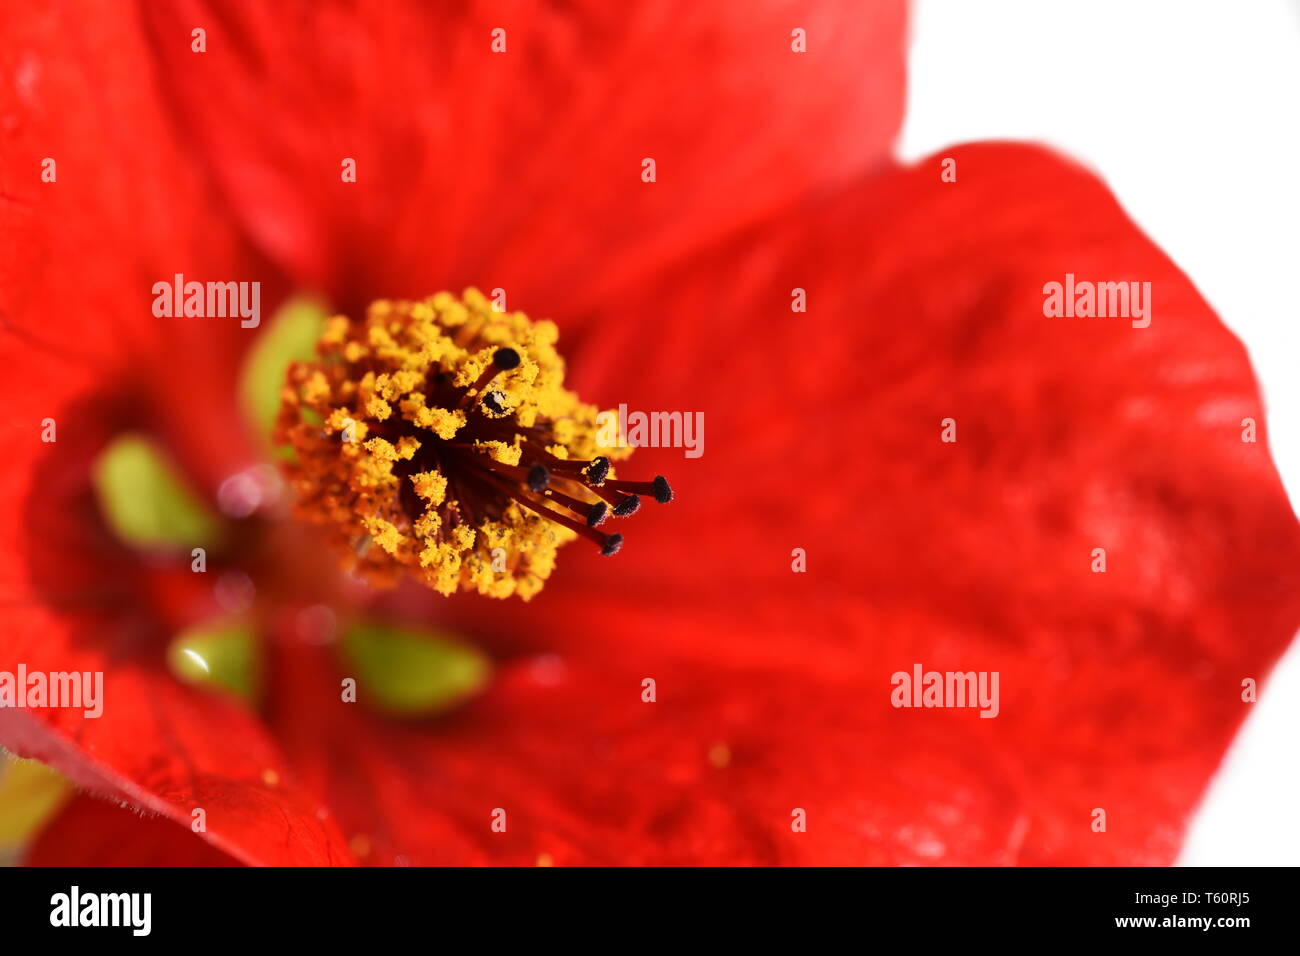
(521, 170)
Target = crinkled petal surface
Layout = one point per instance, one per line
(1119, 690)
(581, 770)
(127, 208)
(522, 169)
(93, 832)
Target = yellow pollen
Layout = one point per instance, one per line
(419, 434)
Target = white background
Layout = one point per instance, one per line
(1190, 111)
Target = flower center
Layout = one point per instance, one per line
(436, 438)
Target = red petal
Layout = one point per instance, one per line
(128, 207)
(522, 169)
(586, 772)
(1119, 690)
(80, 344)
(74, 600)
(90, 832)
(164, 748)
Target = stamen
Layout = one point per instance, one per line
(598, 471)
(436, 439)
(610, 543)
(503, 360)
(624, 504)
(593, 471)
(595, 512)
(659, 488)
(538, 478)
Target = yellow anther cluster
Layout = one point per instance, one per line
(397, 452)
